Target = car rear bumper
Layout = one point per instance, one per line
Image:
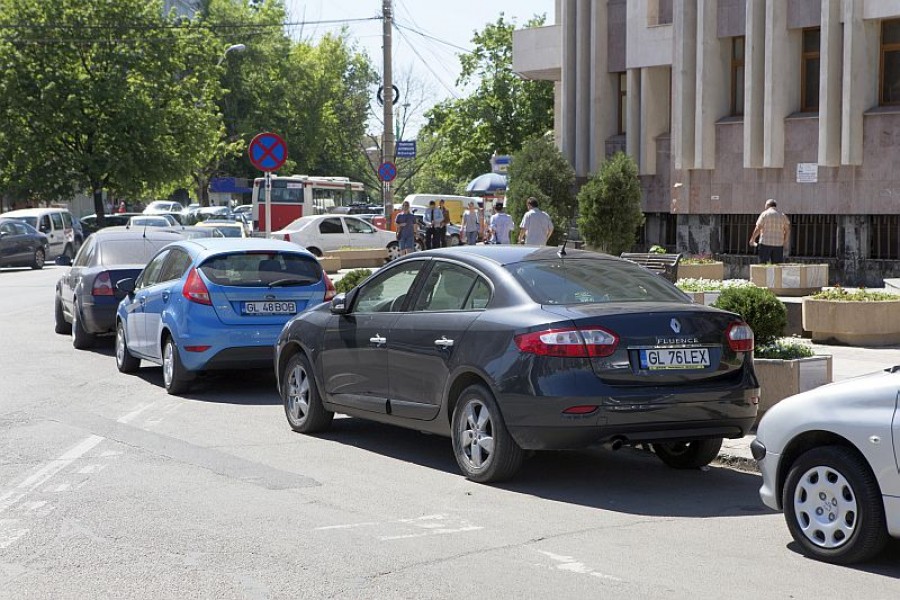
(248, 357)
(99, 318)
(538, 423)
(231, 348)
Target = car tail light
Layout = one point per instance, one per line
(197, 348)
(103, 285)
(195, 290)
(330, 292)
(585, 409)
(569, 343)
(740, 337)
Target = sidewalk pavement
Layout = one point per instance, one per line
(847, 362)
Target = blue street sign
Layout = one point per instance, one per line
(406, 149)
(267, 151)
(500, 163)
(387, 171)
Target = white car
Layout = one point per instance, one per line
(829, 459)
(324, 233)
(163, 206)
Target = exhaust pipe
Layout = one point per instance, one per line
(616, 443)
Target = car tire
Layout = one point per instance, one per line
(847, 525)
(454, 240)
(62, 326)
(315, 251)
(37, 262)
(483, 447)
(302, 403)
(393, 250)
(125, 361)
(176, 379)
(688, 455)
(81, 339)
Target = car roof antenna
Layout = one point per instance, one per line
(562, 249)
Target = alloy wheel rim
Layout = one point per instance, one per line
(120, 345)
(298, 393)
(168, 363)
(39, 258)
(825, 507)
(477, 435)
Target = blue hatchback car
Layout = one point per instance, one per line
(214, 303)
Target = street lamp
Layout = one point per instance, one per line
(231, 48)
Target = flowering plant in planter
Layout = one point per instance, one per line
(784, 349)
(710, 285)
(860, 295)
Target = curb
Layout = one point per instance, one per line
(739, 463)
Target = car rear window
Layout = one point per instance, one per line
(30, 220)
(131, 251)
(256, 269)
(584, 281)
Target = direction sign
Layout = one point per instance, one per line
(500, 163)
(406, 149)
(267, 151)
(387, 171)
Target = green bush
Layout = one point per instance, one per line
(351, 280)
(609, 206)
(760, 308)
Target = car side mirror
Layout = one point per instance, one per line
(126, 286)
(63, 260)
(340, 305)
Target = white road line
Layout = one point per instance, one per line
(41, 476)
(135, 413)
(569, 564)
(62, 487)
(91, 469)
(347, 526)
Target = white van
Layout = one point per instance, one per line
(55, 223)
(456, 205)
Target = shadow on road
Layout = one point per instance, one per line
(887, 563)
(629, 481)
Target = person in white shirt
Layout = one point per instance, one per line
(434, 219)
(471, 224)
(536, 227)
(501, 225)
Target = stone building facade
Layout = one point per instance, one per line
(725, 103)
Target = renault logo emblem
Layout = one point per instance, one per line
(272, 297)
(675, 325)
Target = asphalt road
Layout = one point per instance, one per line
(109, 488)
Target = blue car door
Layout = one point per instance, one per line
(159, 297)
(135, 320)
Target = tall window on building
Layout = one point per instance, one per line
(890, 62)
(737, 76)
(623, 100)
(809, 71)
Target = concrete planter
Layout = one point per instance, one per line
(361, 259)
(715, 270)
(779, 379)
(330, 264)
(706, 298)
(790, 280)
(853, 323)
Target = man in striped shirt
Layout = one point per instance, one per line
(772, 230)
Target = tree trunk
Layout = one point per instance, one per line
(98, 205)
(203, 191)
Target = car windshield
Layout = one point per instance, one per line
(130, 251)
(229, 231)
(582, 281)
(148, 222)
(262, 269)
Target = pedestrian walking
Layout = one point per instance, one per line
(771, 233)
(471, 224)
(442, 233)
(501, 225)
(434, 218)
(536, 226)
(407, 228)
(121, 207)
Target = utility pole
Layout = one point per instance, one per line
(387, 143)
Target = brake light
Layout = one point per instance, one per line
(103, 285)
(330, 292)
(584, 409)
(195, 290)
(569, 343)
(740, 337)
(197, 348)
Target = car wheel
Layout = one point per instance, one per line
(315, 251)
(484, 449)
(454, 240)
(125, 361)
(393, 250)
(176, 378)
(38, 260)
(62, 326)
(302, 403)
(81, 339)
(688, 455)
(833, 506)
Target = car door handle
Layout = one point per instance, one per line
(378, 340)
(165, 296)
(444, 343)
(142, 300)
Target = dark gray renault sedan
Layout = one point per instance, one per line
(512, 348)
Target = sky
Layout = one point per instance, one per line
(433, 62)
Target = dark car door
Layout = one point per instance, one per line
(354, 354)
(425, 341)
(12, 245)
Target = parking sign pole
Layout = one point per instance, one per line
(268, 204)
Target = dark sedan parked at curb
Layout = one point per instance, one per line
(510, 348)
(86, 296)
(21, 245)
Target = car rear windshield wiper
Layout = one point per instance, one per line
(290, 282)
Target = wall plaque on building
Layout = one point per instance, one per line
(807, 172)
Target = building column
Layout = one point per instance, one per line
(569, 78)
(782, 76)
(830, 62)
(754, 82)
(684, 83)
(633, 115)
(654, 114)
(604, 88)
(713, 97)
(582, 88)
(860, 79)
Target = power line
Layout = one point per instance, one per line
(186, 24)
(450, 90)
(431, 37)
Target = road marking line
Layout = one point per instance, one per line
(568, 563)
(41, 476)
(347, 526)
(135, 413)
(86, 470)
(62, 487)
